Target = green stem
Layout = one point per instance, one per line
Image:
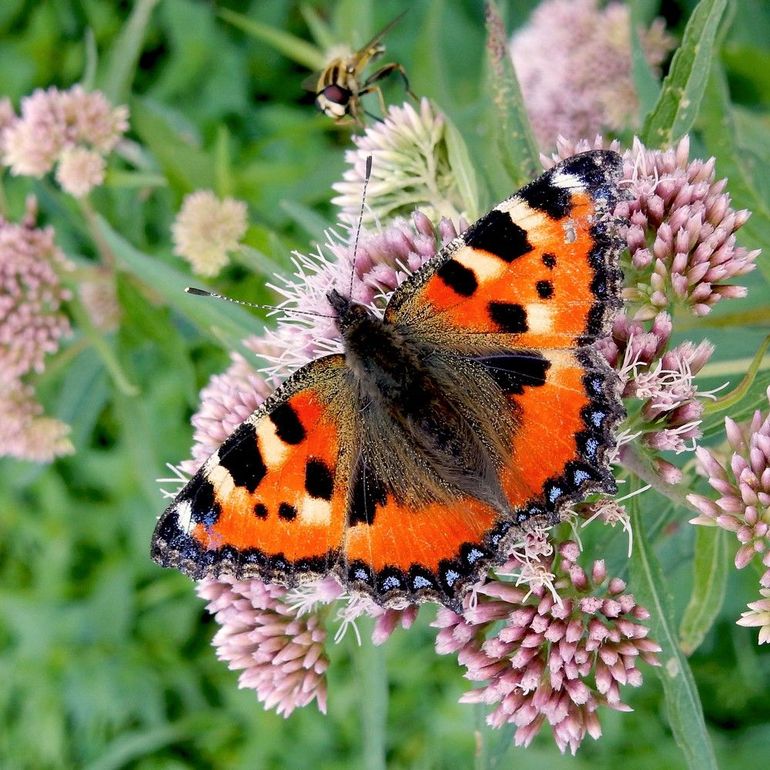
(3, 199)
(632, 460)
(103, 348)
(374, 699)
(105, 252)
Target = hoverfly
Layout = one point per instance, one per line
(339, 88)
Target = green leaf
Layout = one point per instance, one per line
(225, 322)
(92, 61)
(103, 346)
(186, 165)
(708, 591)
(124, 53)
(685, 712)
(682, 92)
(291, 47)
(647, 85)
(517, 144)
(223, 169)
(721, 138)
(463, 170)
(312, 223)
(82, 395)
(373, 676)
(319, 29)
(734, 397)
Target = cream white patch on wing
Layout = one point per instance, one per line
(315, 511)
(221, 479)
(560, 359)
(539, 317)
(484, 266)
(183, 512)
(273, 450)
(566, 181)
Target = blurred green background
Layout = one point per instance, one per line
(105, 659)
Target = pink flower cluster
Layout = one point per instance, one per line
(73, 129)
(743, 505)
(573, 62)
(280, 653)
(32, 325)
(27, 434)
(671, 409)
(550, 656)
(681, 233)
(682, 228)
(384, 258)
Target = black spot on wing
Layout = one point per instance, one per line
(260, 510)
(509, 317)
(544, 196)
(516, 370)
(241, 457)
(498, 234)
(319, 481)
(287, 512)
(368, 493)
(549, 260)
(458, 278)
(544, 289)
(288, 428)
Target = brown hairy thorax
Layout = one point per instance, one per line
(431, 423)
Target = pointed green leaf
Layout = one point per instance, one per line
(647, 85)
(291, 47)
(463, 170)
(682, 92)
(683, 706)
(720, 135)
(227, 323)
(734, 397)
(120, 63)
(185, 165)
(518, 147)
(319, 29)
(708, 592)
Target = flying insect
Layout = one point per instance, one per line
(340, 86)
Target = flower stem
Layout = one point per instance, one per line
(632, 460)
(370, 661)
(105, 252)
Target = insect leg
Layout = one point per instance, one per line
(386, 71)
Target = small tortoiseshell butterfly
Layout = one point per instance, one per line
(404, 465)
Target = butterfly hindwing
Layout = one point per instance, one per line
(271, 502)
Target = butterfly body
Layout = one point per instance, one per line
(406, 464)
(413, 402)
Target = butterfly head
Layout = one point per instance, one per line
(348, 313)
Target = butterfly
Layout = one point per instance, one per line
(407, 465)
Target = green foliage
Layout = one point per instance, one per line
(105, 659)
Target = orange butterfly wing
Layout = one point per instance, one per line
(271, 502)
(533, 284)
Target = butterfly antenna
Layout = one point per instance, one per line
(367, 176)
(206, 293)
